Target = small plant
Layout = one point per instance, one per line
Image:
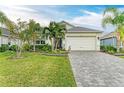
(46, 48)
(13, 47)
(4, 47)
(26, 47)
(108, 49)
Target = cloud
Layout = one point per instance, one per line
(89, 12)
(43, 15)
(91, 20)
(23, 8)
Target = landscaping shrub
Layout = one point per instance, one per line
(4, 47)
(13, 47)
(26, 47)
(108, 49)
(45, 47)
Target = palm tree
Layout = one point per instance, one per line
(49, 32)
(60, 33)
(33, 32)
(55, 32)
(4, 20)
(116, 18)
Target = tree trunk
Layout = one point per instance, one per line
(53, 43)
(19, 50)
(118, 45)
(56, 44)
(123, 45)
(34, 46)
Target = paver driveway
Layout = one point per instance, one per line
(92, 69)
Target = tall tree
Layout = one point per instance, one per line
(4, 20)
(54, 32)
(33, 32)
(19, 35)
(115, 17)
(60, 33)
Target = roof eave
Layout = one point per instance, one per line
(84, 31)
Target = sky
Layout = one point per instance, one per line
(89, 16)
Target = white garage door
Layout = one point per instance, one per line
(81, 43)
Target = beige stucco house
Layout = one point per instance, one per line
(81, 38)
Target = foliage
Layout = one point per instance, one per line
(6, 21)
(46, 48)
(108, 49)
(115, 17)
(4, 47)
(34, 32)
(55, 32)
(26, 47)
(13, 48)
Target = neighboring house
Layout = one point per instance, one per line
(110, 39)
(76, 38)
(5, 38)
(81, 38)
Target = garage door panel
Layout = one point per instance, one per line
(81, 43)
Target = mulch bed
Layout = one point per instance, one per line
(48, 54)
(119, 54)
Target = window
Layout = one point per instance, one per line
(37, 42)
(40, 42)
(9, 43)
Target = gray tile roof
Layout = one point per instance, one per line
(5, 32)
(109, 35)
(79, 29)
(82, 29)
(67, 23)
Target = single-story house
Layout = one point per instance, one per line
(81, 38)
(76, 38)
(5, 38)
(110, 39)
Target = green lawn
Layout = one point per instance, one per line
(122, 56)
(35, 70)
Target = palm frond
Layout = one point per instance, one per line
(107, 20)
(112, 10)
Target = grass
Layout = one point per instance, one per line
(35, 70)
(121, 56)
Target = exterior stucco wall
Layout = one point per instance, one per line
(109, 42)
(6, 40)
